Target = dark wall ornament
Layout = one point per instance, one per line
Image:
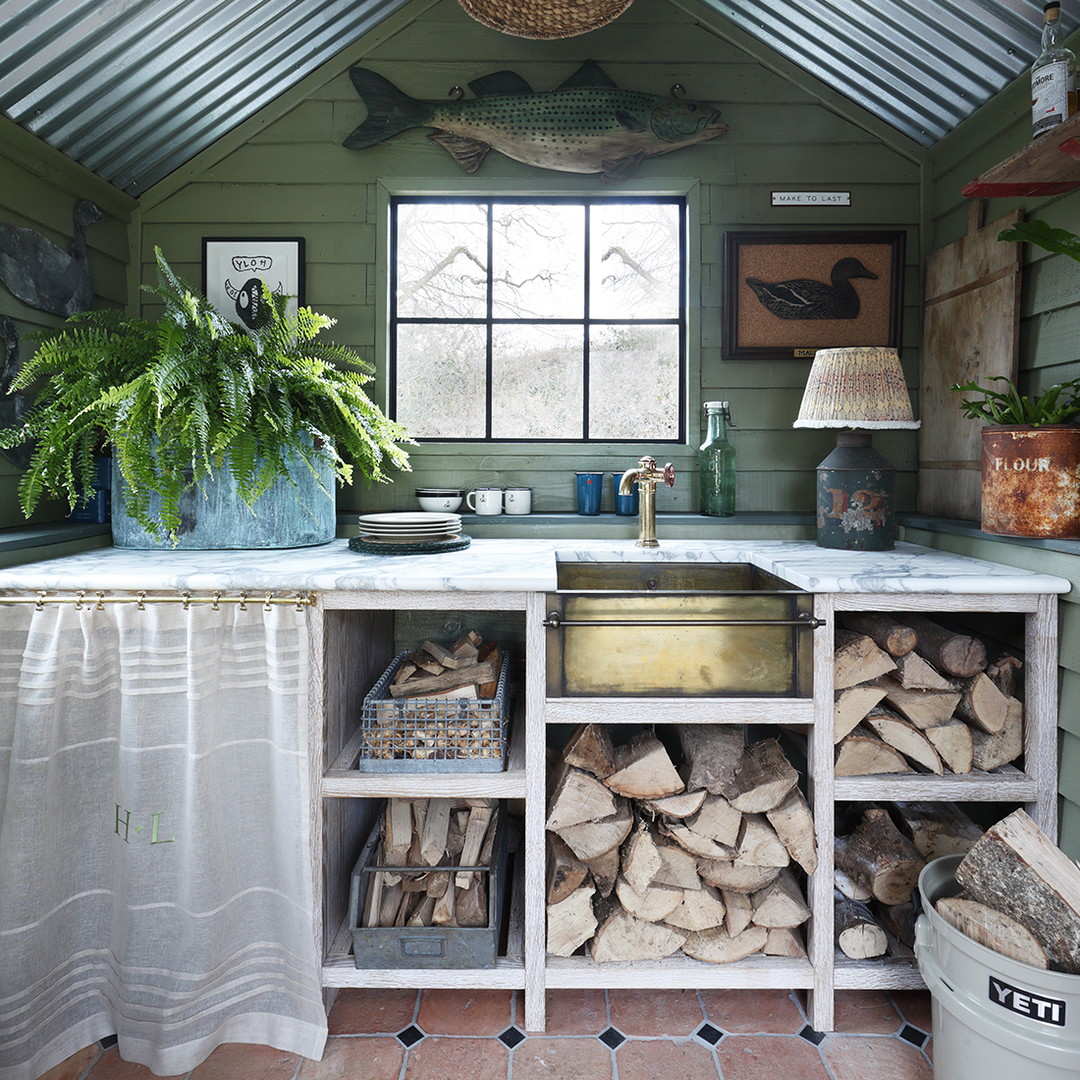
(586, 125)
(788, 294)
(13, 407)
(41, 273)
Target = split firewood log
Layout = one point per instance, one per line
(915, 673)
(1017, 869)
(948, 651)
(759, 845)
(852, 705)
(898, 921)
(878, 856)
(784, 941)
(936, 829)
(590, 748)
(604, 869)
(643, 769)
(478, 832)
(700, 909)
(718, 820)
(954, 742)
(717, 946)
(888, 634)
(739, 911)
(565, 871)
(992, 928)
(694, 842)
(857, 659)
(851, 889)
(711, 753)
(781, 903)
(641, 860)
(981, 703)
(905, 737)
(727, 876)
(862, 753)
(570, 922)
(857, 932)
(683, 805)
(397, 831)
(622, 937)
(762, 779)
(794, 825)
(591, 839)
(652, 904)
(1002, 673)
(924, 708)
(578, 797)
(470, 904)
(678, 868)
(990, 751)
(436, 828)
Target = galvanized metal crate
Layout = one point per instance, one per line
(434, 734)
(377, 947)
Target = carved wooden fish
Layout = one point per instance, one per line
(587, 125)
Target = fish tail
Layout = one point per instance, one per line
(389, 110)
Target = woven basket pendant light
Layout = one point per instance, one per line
(542, 19)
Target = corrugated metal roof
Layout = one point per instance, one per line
(134, 88)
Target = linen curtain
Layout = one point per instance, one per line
(155, 866)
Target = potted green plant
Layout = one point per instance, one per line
(203, 417)
(1030, 458)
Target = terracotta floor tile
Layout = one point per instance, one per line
(855, 1057)
(767, 1057)
(647, 1059)
(450, 1059)
(914, 1006)
(575, 1012)
(464, 1012)
(74, 1066)
(540, 1058)
(746, 1011)
(372, 1012)
(362, 1058)
(647, 1012)
(866, 1012)
(111, 1066)
(242, 1061)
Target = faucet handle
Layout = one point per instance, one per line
(669, 474)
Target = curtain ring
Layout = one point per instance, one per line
(40, 605)
(243, 601)
(214, 606)
(141, 605)
(269, 601)
(187, 601)
(100, 606)
(78, 599)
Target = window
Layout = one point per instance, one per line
(544, 320)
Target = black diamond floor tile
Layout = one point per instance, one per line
(612, 1038)
(511, 1037)
(411, 1035)
(913, 1035)
(811, 1036)
(709, 1034)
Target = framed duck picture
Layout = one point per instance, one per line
(788, 294)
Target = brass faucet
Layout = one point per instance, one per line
(646, 475)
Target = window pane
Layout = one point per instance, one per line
(440, 381)
(635, 261)
(538, 261)
(442, 260)
(634, 382)
(537, 382)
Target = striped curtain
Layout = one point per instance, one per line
(155, 868)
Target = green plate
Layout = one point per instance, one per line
(418, 547)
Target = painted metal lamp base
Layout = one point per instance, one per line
(855, 496)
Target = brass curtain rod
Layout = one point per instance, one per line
(99, 599)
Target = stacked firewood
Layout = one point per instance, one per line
(419, 836)
(912, 695)
(1020, 896)
(645, 858)
(467, 668)
(877, 868)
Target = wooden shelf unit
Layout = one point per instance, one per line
(351, 643)
(1050, 165)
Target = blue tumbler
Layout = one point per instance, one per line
(625, 505)
(590, 490)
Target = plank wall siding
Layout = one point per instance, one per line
(285, 173)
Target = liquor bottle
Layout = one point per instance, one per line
(717, 463)
(1053, 76)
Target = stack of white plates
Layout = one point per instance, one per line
(415, 528)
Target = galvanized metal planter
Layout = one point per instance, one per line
(296, 512)
(1031, 481)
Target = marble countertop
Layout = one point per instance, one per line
(514, 565)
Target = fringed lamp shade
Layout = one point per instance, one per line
(856, 388)
(544, 19)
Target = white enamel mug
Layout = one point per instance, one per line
(485, 501)
(517, 500)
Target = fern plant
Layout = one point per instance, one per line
(1058, 404)
(190, 393)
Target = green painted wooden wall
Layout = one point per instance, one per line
(286, 173)
(1049, 352)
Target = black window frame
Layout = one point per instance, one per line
(489, 321)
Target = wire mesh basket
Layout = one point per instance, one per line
(419, 734)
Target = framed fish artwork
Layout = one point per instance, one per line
(233, 267)
(788, 294)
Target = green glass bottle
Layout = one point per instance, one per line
(717, 463)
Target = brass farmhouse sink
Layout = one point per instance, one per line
(689, 629)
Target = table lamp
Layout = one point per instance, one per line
(857, 390)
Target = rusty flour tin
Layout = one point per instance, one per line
(1031, 481)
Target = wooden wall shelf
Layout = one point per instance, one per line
(1048, 166)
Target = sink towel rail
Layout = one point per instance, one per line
(99, 599)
